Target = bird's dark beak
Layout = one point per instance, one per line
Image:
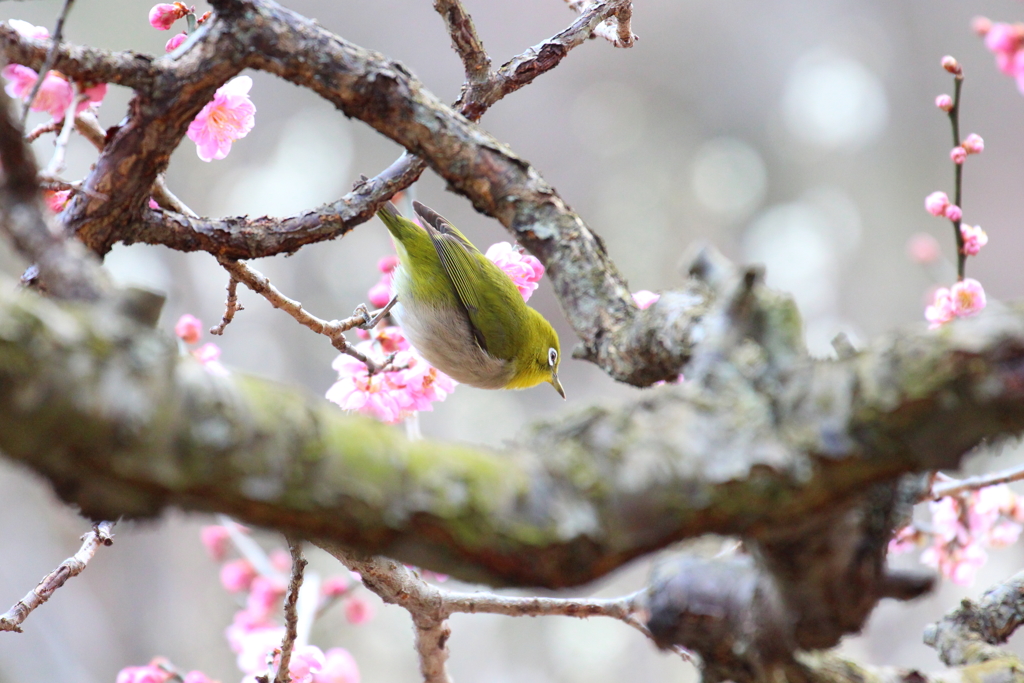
(557, 385)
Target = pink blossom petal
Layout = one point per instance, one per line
(967, 297)
(339, 667)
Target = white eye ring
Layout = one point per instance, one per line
(552, 357)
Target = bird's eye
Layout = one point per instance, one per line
(552, 356)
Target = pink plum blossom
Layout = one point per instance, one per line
(967, 297)
(28, 30)
(242, 626)
(20, 80)
(55, 94)
(254, 648)
(56, 200)
(645, 299)
(264, 595)
(237, 575)
(380, 294)
(163, 15)
(958, 155)
(358, 610)
(936, 203)
(941, 309)
(974, 239)
(923, 248)
(944, 102)
(339, 667)
(229, 116)
(392, 395)
(189, 328)
(175, 42)
(953, 213)
(973, 144)
(524, 269)
(214, 538)
(306, 662)
(981, 25)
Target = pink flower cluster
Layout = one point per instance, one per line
(1005, 42)
(962, 527)
(964, 298)
(56, 92)
(967, 296)
(255, 634)
(190, 330)
(229, 116)
(938, 204)
(524, 269)
(159, 671)
(163, 15)
(412, 385)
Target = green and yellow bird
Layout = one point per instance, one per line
(462, 312)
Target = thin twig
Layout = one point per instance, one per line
(291, 618)
(333, 330)
(956, 487)
(51, 58)
(230, 307)
(465, 40)
(168, 200)
(56, 165)
(954, 120)
(430, 606)
(616, 29)
(57, 184)
(89, 127)
(73, 566)
(51, 126)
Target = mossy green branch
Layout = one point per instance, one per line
(121, 424)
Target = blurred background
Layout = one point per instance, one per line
(797, 134)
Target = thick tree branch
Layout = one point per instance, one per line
(971, 633)
(567, 503)
(244, 238)
(84, 64)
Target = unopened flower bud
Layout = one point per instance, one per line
(954, 213)
(951, 65)
(163, 15)
(944, 102)
(973, 144)
(958, 155)
(981, 25)
(175, 42)
(936, 203)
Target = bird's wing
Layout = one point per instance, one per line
(464, 264)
